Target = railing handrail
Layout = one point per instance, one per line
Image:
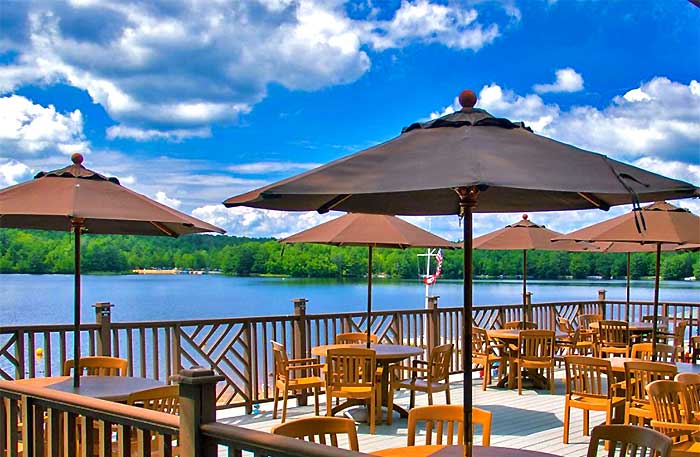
(267, 444)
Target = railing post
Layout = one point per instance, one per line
(528, 307)
(601, 303)
(103, 318)
(197, 407)
(433, 323)
(299, 346)
(20, 355)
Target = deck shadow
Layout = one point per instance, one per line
(532, 421)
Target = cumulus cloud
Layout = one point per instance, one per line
(568, 80)
(180, 66)
(28, 129)
(13, 172)
(162, 197)
(271, 167)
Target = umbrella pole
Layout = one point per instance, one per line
(77, 228)
(369, 294)
(524, 287)
(656, 301)
(467, 202)
(627, 302)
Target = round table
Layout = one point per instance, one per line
(457, 451)
(111, 388)
(618, 365)
(386, 354)
(634, 327)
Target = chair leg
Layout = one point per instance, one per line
(316, 406)
(430, 397)
(447, 395)
(567, 414)
(551, 379)
(329, 403)
(519, 373)
(586, 418)
(284, 405)
(372, 411)
(412, 401)
(274, 404)
(390, 406)
(378, 405)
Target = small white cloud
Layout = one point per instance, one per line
(162, 197)
(531, 108)
(28, 129)
(271, 167)
(176, 135)
(568, 80)
(13, 172)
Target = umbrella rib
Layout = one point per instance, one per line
(598, 203)
(163, 228)
(332, 203)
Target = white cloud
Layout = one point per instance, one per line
(271, 167)
(29, 129)
(13, 172)
(568, 80)
(180, 66)
(530, 108)
(162, 197)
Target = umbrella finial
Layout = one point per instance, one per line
(467, 98)
(524, 217)
(77, 158)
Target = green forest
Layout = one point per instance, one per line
(29, 251)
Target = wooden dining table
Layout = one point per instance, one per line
(509, 337)
(456, 451)
(618, 365)
(386, 354)
(110, 388)
(634, 327)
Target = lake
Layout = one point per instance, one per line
(34, 299)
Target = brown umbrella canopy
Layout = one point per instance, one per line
(654, 225)
(461, 163)
(79, 200)
(371, 230)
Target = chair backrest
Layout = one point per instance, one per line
(664, 352)
(480, 342)
(668, 401)
(536, 344)
(613, 333)
(447, 423)
(322, 430)
(98, 366)
(281, 359)
(629, 441)
(585, 320)
(439, 362)
(564, 325)
(355, 338)
(588, 377)
(165, 399)
(679, 333)
(640, 374)
(692, 385)
(661, 321)
(520, 325)
(351, 367)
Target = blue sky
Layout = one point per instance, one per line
(191, 102)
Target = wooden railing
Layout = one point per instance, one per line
(238, 348)
(39, 421)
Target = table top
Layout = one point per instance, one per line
(618, 365)
(456, 451)
(635, 326)
(512, 333)
(384, 351)
(111, 388)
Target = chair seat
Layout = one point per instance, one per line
(641, 410)
(686, 449)
(420, 384)
(524, 363)
(309, 381)
(353, 392)
(598, 404)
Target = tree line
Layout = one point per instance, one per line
(34, 251)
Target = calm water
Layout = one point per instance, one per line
(26, 299)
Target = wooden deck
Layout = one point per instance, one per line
(532, 421)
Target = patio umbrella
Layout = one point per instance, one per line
(659, 222)
(524, 235)
(371, 230)
(79, 200)
(460, 163)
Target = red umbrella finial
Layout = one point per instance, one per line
(467, 98)
(524, 217)
(77, 158)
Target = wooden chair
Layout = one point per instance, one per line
(322, 430)
(433, 378)
(669, 399)
(573, 343)
(584, 326)
(447, 421)
(355, 338)
(97, 366)
(664, 352)
(694, 348)
(484, 354)
(631, 441)
(535, 351)
(613, 338)
(637, 376)
(352, 375)
(679, 339)
(520, 325)
(165, 399)
(589, 386)
(692, 385)
(286, 377)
